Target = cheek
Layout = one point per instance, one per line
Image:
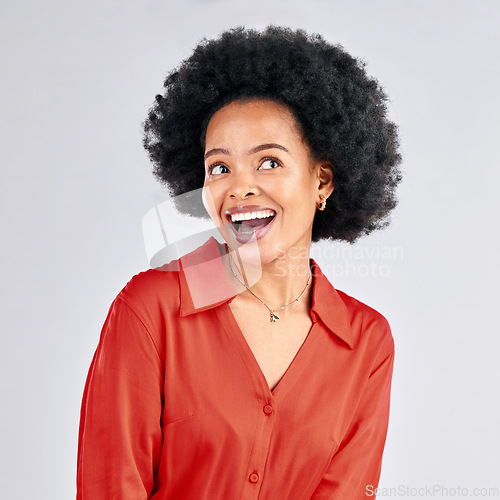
(300, 194)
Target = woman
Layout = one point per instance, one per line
(239, 371)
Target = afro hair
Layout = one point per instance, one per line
(342, 112)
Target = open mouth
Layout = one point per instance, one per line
(246, 225)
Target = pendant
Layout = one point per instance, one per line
(274, 317)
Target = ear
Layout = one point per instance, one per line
(326, 174)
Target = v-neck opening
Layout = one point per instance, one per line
(255, 370)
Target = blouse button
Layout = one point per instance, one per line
(268, 409)
(254, 477)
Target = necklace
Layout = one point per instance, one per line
(274, 317)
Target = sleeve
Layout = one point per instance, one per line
(355, 468)
(120, 435)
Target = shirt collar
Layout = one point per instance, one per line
(204, 285)
(331, 309)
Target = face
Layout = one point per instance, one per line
(262, 184)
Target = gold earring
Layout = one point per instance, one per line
(322, 204)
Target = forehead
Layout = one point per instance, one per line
(262, 119)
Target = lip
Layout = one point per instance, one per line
(244, 237)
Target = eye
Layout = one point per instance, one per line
(270, 163)
(218, 169)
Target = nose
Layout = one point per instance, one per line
(242, 186)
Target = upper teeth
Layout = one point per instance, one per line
(252, 215)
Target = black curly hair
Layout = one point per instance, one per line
(342, 112)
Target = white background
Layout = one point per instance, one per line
(77, 80)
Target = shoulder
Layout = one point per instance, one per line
(149, 284)
(151, 292)
(156, 294)
(369, 325)
(359, 311)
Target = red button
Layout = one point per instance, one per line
(268, 409)
(254, 477)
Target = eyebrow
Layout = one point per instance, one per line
(256, 149)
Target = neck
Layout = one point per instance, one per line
(277, 283)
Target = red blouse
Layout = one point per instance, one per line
(176, 406)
